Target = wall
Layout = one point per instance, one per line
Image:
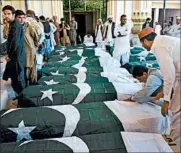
(48, 8)
(169, 13)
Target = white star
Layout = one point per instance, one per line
(149, 65)
(22, 131)
(62, 53)
(48, 94)
(142, 58)
(64, 59)
(51, 82)
(56, 73)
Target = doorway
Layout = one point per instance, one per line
(81, 21)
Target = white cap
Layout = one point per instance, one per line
(110, 16)
(178, 17)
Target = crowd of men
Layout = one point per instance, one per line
(31, 39)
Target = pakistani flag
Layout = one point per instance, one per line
(78, 120)
(63, 59)
(136, 50)
(48, 71)
(75, 52)
(117, 142)
(99, 143)
(81, 77)
(57, 121)
(60, 94)
(67, 61)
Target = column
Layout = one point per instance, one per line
(156, 15)
(141, 10)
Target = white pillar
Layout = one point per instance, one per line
(156, 15)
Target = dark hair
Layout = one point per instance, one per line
(148, 19)
(128, 67)
(138, 70)
(123, 16)
(42, 18)
(30, 13)
(171, 23)
(50, 20)
(149, 37)
(19, 12)
(62, 19)
(9, 7)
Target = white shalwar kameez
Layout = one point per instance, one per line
(167, 51)
(109, 38)
(99, 37)
(176, 32)
(122, 44)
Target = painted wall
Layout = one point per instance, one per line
(169, 13)
(48, 8)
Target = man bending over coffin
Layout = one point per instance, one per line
(152, 90)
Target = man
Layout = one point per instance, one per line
(99, 33)
(47, 42)
(109, 28)
(147, 23)
(152, 90)
(176, 28)
(168, 28)
(56, 34)
(64, 33)
(167, 51)
(157, 28)
(122, 42)
(34, 21)
(73, 31)
(30, 44)
(15, 51)
(88, 39)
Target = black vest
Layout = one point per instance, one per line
(47, 29)
(112, 30)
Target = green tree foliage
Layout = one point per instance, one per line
(80, 5)
(91, 5)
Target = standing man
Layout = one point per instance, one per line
(176, 28)
(99, 33)
(73, 31)
(109, 28)
(15, 51)
(56, 34)
(64, 33)
(47, 42)
(147, 23)
(122, 42)
(31, 43)
(167, 51)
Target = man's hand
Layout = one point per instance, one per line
(7, 59)
(164, 109)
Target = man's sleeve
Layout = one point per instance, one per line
(15, 41)
(127, 31)
(34, 35)
(76, 26)
(151, 85)
(167, 68)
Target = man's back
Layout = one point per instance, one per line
(167, 47)
(152, 87)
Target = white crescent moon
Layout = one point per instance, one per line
(9, 111)
(74, 143)
(72, 117)
(81, 77)
(85, 89)
(79, 51)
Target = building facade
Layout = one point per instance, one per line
(48, 8)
